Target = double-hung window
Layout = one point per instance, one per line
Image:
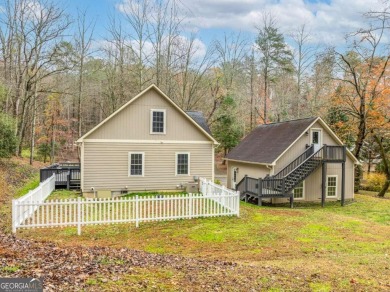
(331, 186)
(182, 163)
(136, 164)
(299, 191)
(157, 121)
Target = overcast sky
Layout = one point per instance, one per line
(328, 20)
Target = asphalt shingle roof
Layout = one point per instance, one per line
(266, 142)
(199, 119)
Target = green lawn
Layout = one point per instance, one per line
(348, 244)
(29, 186)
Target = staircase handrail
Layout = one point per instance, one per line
(299, 158)
(311, 156)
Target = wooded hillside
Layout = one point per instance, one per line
(57, 81)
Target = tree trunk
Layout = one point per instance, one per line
(386, 167)
(32, 146)
(265, 97)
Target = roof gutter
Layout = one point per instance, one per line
(250, 162)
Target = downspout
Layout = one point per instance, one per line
(271, 168)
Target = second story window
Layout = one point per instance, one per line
(158, 121)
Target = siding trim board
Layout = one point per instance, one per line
(249, 162)
(138, 96)
(145, 141)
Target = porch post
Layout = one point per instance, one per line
(260, 190)
(342, 184)
(246, 188)
(323, 186)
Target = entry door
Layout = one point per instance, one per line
(234, 178)
(316, 139)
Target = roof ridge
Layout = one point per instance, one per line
(288, 121)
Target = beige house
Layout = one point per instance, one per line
(150, 143)
(301, 160)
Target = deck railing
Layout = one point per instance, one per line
(262, 187)
(296, 162)
(65, 173)
(335, 153)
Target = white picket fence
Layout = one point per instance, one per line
(39, 194)
(80, 212)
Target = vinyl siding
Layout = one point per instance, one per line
(251, 170)
(314, 181)
(133, 122)
(106, 165)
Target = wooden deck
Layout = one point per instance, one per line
(68, 175)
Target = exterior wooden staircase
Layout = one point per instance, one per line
(282, 184)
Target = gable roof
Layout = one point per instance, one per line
(199, 119)
(193, 121)
(267, 143)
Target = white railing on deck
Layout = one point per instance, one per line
(38, 194)
(135, 209)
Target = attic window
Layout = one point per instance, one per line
(157, 121)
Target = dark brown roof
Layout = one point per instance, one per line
(199, 119)
(266, 142)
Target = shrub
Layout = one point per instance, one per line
(217, 181)
(8, 140)
(375, 182)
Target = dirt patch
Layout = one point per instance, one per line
(63, 268)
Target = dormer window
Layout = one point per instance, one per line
(157, 121)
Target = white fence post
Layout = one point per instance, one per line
(78, 216)
(136, 211)
(190, 205)
(238, 204)
(14, 216)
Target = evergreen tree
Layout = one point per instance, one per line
(275, 57)
(226, 130)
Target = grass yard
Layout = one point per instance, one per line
(325, 249)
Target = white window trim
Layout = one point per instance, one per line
(189, 164)
(151, 121)
(234, 182)
(321, 142)
(303, 192)
(326, 191)
(129, 165)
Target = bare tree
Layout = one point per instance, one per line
(137, 15)
(82, 51)
(303, 58)
(33, 34)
